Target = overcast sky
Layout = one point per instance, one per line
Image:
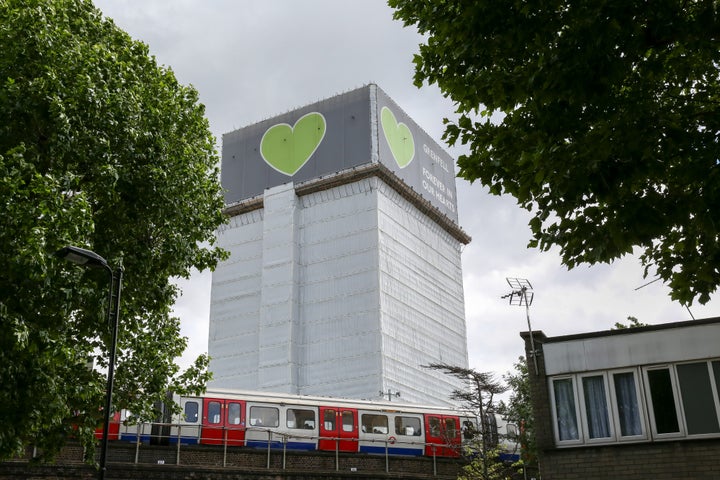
(254, 59)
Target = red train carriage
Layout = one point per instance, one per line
(267, 420)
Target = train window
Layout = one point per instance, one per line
(233, 414)
(374, 423)
(300, 418)
(409, 426)
(264, 417)
(434, 426)
(468, 430)
(213, 413)
(329, 419)
(191, 412)
(451, 427)
(348, 421)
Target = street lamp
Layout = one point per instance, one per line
(88, 258)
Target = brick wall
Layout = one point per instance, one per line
(676, 460)
(206, 462)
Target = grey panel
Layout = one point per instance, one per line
(345, 144)
(431, 172)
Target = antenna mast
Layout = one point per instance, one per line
(522, 295)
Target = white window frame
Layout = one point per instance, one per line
(583, 409)
(642, 406)
(556, 432)
(676, 398)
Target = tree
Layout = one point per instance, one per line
(601, 118)
(633, 322)
(518, 410)
(100, 148)
(477, 396)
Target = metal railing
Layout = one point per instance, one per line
(142, 433)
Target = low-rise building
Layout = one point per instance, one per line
(628, 404)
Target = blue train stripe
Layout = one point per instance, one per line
(275, 445)
(391, 450)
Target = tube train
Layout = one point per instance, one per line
(277, 421)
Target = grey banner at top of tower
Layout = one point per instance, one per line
(409, 152)
(334, 135)
(311, 142)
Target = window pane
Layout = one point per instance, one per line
(627, 404)
(468, 430)
(450, 427)
(264, 417)
(329, 419)
(233, 414)
(567, 425)
(191, 412)
(407, 426)
(697, 397)
(596, 406)
(300, 419)
(374, 423)
(663, 402)
(348, 421)
(213, 413)
(434, 426)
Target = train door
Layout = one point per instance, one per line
(442, 435)
(223, 420)
(338, 429)
(113, 431)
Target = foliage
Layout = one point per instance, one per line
(477, 397)
(99, 148)
(601, 118)
(480, 387)
(632, 323)
(488, 467)
(518, 410)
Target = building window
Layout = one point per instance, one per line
(565, 410)
(595, 407)
(663, 405)
(678, 400)
(699, 401)
(629, 420)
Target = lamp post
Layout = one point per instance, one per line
(90, 259)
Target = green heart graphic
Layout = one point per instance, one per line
(399, 138)
(287, 148)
